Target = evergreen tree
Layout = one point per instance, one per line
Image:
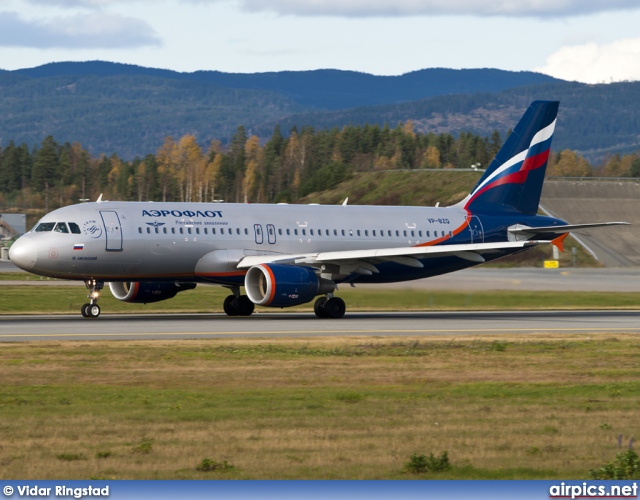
(45, 166)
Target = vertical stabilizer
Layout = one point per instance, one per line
(513, 181)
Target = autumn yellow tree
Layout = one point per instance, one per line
(166, 158)
(254, 161)
(617, 166)
(568, 164)
(295, 158)
(211, 171)
(431, 158)
(189, 166)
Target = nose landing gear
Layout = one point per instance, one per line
(92, 309)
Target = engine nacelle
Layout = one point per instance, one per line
(278, 285)
(145, 293)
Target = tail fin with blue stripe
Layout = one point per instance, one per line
(513, 181)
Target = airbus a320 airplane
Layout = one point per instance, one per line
(285, 255)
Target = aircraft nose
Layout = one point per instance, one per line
(23, 253)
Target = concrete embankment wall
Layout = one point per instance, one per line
(600, 201)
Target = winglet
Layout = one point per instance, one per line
(99, 200)
(559, 242)
(346, 200)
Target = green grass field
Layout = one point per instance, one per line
(65, 299)
(501, 407)
(540, 407)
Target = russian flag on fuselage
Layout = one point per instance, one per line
(514, 179)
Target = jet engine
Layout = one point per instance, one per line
(145, 293)
(278, 285)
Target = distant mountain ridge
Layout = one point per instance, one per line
(322, 88)
(129, 110)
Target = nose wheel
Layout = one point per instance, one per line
(92, 309)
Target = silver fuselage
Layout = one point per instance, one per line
(120, 241)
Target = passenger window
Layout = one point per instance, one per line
(75, 229)
(246, 231)
(304, 232)
(280, 232)
(335, 232)
(288, 232)
(213, 230)
(173, 230)
(358, 231)
(45, 227)
(164, 230)
(413, 233)
(156, 230)
(181, 230)
(343, 233)
(397, 233)
(221, 230)
(140, 230)
(238, 231)
(420, 233)
(197, 230)
(373, 232)
(61, 227)
(148, 230)
(295, 231)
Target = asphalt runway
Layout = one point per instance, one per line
(277, 325)
(414, 324)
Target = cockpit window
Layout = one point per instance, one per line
(61, 227)
(45, 226)
(75, 229)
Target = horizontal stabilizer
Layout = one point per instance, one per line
(518, 229)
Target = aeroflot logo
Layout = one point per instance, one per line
(182, 213)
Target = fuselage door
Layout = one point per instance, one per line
(475, 229)
(271, 233)
(257, 228)
(113, 230)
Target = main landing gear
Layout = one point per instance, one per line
(329, 307)
(92, 309)
(238, 305)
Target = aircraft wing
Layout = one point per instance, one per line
(363, 261)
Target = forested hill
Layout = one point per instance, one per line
(594, 120)
(130, 110)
